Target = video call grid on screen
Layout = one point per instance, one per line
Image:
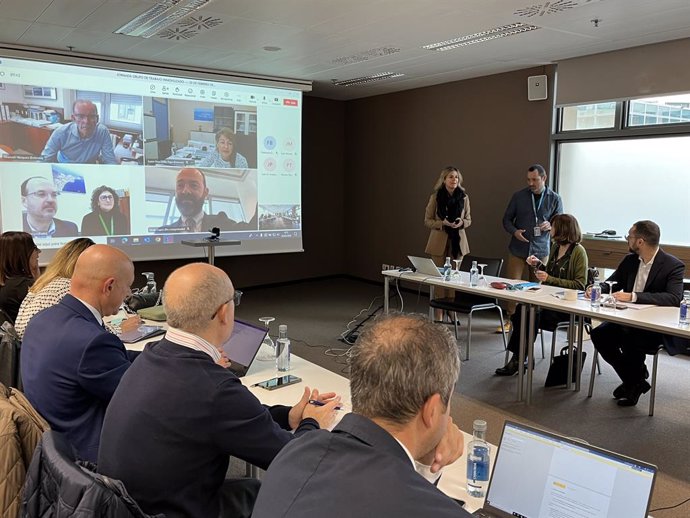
(70, 133)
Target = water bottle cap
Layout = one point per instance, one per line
(479, 425)
(282, 328)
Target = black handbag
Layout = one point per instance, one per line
(558, 371)
(138, 301)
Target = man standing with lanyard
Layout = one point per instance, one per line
(527, 219)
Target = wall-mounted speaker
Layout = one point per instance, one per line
(536, 88)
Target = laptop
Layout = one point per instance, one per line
(538, 474)
(425, 265)
(242, 346)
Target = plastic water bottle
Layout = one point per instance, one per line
(595, 296)
(684, 319)
(474, 274)
(283, 349)
(447, 269)
(478, 456)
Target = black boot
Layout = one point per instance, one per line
(510, 368)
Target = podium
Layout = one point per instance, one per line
(211, 244)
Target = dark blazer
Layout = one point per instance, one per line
(220, 220)
(357, 470)
(62, 228)
(91, 224)
(172, 424)
(70, 368)
(664, 287)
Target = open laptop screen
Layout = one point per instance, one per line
(540, 475)
(242, 346)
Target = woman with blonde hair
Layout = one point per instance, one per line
(447, 216)
(54, 284)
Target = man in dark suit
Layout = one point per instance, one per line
(403, 371)
(39, 198)
(178, 415)
(647, 275)
(70, 364)
(190, 194)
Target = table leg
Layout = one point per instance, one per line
(521, 355)
(530, 359)
(431, 297)
(580, 332)
(571, 330)
(386, 293)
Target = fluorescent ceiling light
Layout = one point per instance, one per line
(366, 79)
(479, 37)
(163, 14)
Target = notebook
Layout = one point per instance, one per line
(538, 474)
(425, 265)
(242, 346)
(140, 333)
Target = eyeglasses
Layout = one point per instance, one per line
(627, 238)
(106, 197)
(44, 194)
(235, 300)
(81, 117)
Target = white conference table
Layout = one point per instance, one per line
(454, 479)
(655, 318)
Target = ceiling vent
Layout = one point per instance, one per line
(357, 81)
(161, 15)
(479, 37)
(365, 56)
(189, 27)
(552, 7)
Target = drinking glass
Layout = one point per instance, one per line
(267, 351)
(609, 301)
(481, 282)
(456, 273)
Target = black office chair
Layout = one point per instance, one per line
(469, 303)
(655, 364)
(58, 485)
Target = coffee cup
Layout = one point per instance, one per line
(570, 295)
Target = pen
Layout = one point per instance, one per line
(316, 402)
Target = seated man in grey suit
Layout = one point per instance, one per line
(403, 370)
(647, 275)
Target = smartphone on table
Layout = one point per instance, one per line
(278, 382)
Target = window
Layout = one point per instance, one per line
(588, 116)
(620, 162)
(118, 111)
(672, 109)
(610, 184)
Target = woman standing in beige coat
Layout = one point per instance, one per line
(447, 215)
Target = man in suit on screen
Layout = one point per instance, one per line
(191, 192)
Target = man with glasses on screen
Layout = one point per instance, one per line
(191, 193)
(82, 141)
(177, 415)
(647, 275)
(39, 198)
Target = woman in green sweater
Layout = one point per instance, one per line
(566, 268)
